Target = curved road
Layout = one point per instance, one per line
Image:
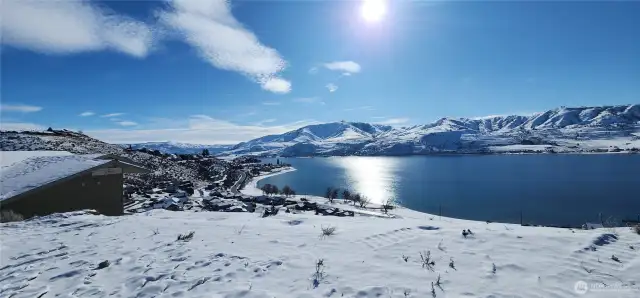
(234, 188)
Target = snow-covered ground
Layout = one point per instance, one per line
(244, 255)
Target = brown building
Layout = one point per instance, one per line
(44, 182)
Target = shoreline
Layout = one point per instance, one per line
(251, 188)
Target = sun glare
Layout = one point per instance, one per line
(373, 10)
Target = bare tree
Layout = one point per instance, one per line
(287, 191)
(334, 194)
(364, 201)
(346, 195)
(328, 192)
(266, 189)
(356, 198)
(274, 189)
(387, 205)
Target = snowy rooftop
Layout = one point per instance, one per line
(8, 158)
(22, 171)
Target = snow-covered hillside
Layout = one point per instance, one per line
(162, 168)
(237, 255)
(180, 148)
(582, 129)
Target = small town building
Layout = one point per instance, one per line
(36, 183)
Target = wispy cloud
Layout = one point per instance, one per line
(362, 108)
(265, 121)
(19, 108)
(393, 121)
(61, 27)
(20, 126)
(344, 66)
(221, 40)
(87, 114)
(127, 123)
(313, 70)
(112, 115)
(308, 100)
(271, 103)
(197, 129)
(332, 87)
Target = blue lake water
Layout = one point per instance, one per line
(548, 189)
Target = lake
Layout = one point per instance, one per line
(549, 189)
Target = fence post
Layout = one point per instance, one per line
(520, 217)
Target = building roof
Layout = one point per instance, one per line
(8, 158)
(31, 173)
(23, 171)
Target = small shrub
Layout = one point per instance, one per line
(637, 229)
(9, 216)
(186, 237)
(319, 275)
(438, 284)
(494, 269)
(327, 231)
(427, 262)
(405, 258)
(452, 264)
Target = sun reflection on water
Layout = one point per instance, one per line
(373, 177)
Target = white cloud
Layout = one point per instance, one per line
(332, 87)
(127, 123)
(262, 122)
(112, 115)
(197, 129)
(62, 27)
(313, 70)
(308, 100)
(393, 121)
(271, 103)
(19, 108)
(87, 114)
(344, 66)
(221, 40)
(277, 85)
(19, 126)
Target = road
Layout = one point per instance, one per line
(234, 188)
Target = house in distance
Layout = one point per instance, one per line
(36, 183)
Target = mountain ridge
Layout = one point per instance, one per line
(458, 135)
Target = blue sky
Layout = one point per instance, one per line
(211, 71)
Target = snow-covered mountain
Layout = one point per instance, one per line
(561, 130)
(180, 148)
(329, 137)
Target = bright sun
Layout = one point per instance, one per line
(373, 10)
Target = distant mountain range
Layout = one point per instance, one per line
(563, 129)
(180, 148)
(579, 129)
